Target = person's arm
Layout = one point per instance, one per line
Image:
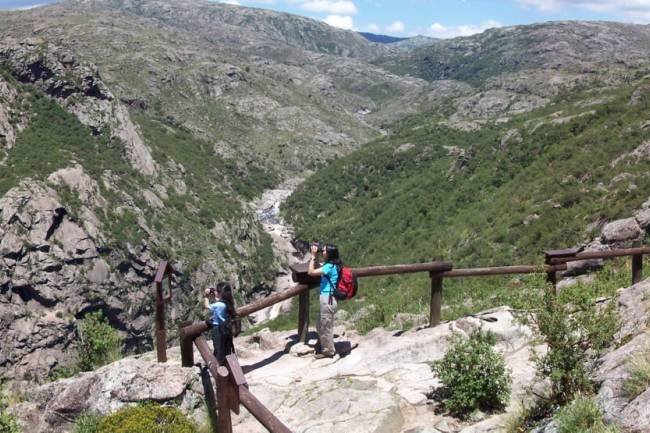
(206, 300)
(312, 270)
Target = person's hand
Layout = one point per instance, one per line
(314, 250)
(206, 292)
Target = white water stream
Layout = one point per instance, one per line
(267, 209)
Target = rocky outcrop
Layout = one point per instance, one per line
(8, 124)
(53, 270)
(632, 412)
(623, 232)
(52, 408)
(79, 89)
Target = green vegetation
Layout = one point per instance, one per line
(52, 139)
(99, 343)
(639, 379)
(216, 188)
(146, 418)
(8, 422)
(476, 199)
(473, 375)
(582, 416)
(575, 331)
(86, 423)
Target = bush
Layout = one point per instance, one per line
(8, 422)
(99, 343)
(146, 418)
(574, 332)
(582, 415)
(474, 375)
(86, 423)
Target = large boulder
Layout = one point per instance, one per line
(632, 412)
(622, 233)
(52, 408)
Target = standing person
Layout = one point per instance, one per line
(222, 311)
(329, 274)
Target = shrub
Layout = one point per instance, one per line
(146, 418)
(473, 375)
(99, 343)
(86, 423)
(582, 415)
(8, 422)
(574, 332)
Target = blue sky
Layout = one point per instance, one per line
(438, 18)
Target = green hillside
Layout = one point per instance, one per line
(480, 198)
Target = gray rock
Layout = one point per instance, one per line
(99, 272)
(623, 232)
(629, 412)
(643, 218)
(53, 407)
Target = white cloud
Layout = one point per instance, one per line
(340, 21)
(372, 28)
(231, 2)
(331, 7)
(438, 30)
(637, 10)
(396, 27)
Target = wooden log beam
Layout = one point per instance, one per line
(588, 255)
(271, 299)
(374, 271)
(260, 412)
(502, 270)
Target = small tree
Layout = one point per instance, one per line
(474, 376)
(99, 343)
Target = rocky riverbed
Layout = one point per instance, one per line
(267, 209)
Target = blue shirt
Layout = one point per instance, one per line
(327, 286)
(219, 313)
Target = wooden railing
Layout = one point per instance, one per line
(230, 383)
(231, 386)
(163, 274)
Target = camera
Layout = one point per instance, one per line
(318, 244)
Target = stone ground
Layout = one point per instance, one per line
(380, 386)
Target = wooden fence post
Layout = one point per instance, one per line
(435, 307)
(187, 348)
(303, 316)
(224, 423)
(637, 268)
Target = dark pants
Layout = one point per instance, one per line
(222, 343)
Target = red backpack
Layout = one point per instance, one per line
(346, 286)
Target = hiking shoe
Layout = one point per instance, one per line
(324, 355)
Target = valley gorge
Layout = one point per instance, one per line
(224, 138)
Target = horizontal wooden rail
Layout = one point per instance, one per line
(589, 255)
(271, 299)
(502, 270)
(375, 271)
